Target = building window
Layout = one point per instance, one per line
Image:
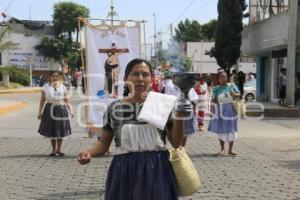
(0, 58)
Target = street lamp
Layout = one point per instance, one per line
(154, 38)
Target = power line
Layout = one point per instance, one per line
(9, 4)
(200, 8)
(189, 5)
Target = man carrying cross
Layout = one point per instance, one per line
(112, 63)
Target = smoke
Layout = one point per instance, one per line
(174, 55)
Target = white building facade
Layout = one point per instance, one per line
(205, 64)
(22, 52)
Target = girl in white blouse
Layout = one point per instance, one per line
(54, 113)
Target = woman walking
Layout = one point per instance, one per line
(224, 117)
(201, 91)
(54, 112)
(141, 168)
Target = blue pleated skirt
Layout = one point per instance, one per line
(189, 126)
(224, 119)
(141, 176)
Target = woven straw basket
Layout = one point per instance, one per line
(239, 107)
(188, 181)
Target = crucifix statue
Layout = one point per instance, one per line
(112, 68)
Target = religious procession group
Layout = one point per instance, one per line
(210, 98)
(142, 167)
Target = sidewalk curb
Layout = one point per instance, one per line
(8, 108)
(18, 91)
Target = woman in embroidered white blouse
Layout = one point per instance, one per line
(54, 113)
(141, 168)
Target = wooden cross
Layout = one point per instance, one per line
(113, 50)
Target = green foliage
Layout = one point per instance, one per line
(16, 74)
(74, 59)
(228, 33)
(54, 48)
(188, 31)
(208, 30)
(60, 48)
(187, 64)
(65, 17)
(244, 7)
(193, 31)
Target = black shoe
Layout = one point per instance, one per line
(52, 154)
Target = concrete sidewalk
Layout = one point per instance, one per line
(267, 109)
(21, 90)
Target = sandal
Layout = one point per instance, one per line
(52, 154)
(232, 154)
(201, 128)
(60, 153)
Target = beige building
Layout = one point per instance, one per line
(205, 64)
(25, 35)
(272, 36)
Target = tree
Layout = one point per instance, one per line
(16, 74)
(65, 18)
(228, 33)
(55, 48)
(244, 7)
(188, 31)
(60, 48)
(192, 31)
(208, 30)
(187, 64)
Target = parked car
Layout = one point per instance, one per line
(36, 81)
(250, 90)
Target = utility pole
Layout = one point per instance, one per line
(29, 12)
(171, 30)
(154, 37)
(291, 52)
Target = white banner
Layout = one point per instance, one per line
(107, 54)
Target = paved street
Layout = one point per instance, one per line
(267, 167)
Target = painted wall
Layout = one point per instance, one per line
(268, 34)
(205, 64)
(23, 52)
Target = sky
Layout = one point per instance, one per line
(166, 11)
